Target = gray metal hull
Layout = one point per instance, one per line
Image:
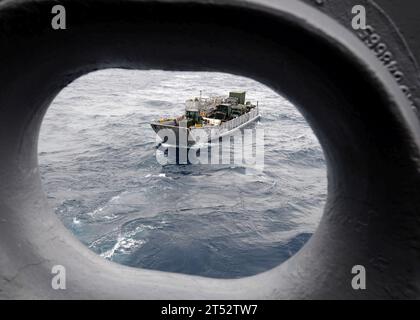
(181, 136)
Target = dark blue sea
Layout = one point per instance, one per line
(102, 178)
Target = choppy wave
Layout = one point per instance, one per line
(98, 165)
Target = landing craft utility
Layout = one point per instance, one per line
(207, 119)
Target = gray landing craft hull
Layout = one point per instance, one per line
(190, 136)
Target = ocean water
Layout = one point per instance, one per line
(100, 173)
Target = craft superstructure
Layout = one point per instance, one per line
(208, 119)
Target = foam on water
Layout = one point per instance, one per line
(98, 165)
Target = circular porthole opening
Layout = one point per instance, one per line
(100, 169)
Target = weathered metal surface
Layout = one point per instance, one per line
(307, 52)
